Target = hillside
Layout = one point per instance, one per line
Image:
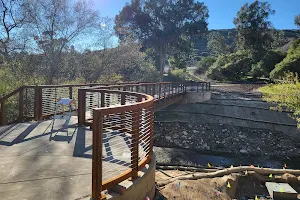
(200, 44)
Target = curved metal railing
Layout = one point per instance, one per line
(122, 137)
(122, 117)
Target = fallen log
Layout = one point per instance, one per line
(227, 171)
(183, 168)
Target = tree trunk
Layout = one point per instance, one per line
(160, 60)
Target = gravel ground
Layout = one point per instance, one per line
(225, 139)
(223, 87)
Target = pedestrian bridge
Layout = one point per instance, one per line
(82, 162)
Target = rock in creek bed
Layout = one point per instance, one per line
(225, 139)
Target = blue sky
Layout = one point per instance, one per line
(222, 12)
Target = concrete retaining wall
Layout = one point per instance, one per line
(195, 97)
(141, 188)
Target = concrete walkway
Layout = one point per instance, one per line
(35, 167)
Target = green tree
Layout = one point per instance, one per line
(297, 20)
(279, 39)
(55, 24)
(181, 55)
(161, 24)
(254, 28)
(204, 64)
(290, 63)
(216, 44)
(267, 64)
(231, 67)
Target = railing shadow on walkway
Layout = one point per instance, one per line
(22, 135)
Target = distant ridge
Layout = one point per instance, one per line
(200, 44)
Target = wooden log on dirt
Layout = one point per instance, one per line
(183, 168)
(219, 173)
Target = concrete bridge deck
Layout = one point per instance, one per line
(35, 167)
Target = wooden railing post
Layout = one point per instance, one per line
(21, 104)
(159, 92)
(81, 106)
(123, 116)
(102, 99)
(2, 112)
(97, 156)
(135, 142)
(38, 101)
(164, 92)
(153, 90)
(70, 92)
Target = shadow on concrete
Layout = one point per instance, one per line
(18, 138)
(64, 128)
(10, 134)
(81, 149)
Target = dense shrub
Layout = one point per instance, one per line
(290, 63)
(204, 64)
(286, 94)
(231, 67)
(176, 75)
(266, 64)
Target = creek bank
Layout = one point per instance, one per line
(225, 139)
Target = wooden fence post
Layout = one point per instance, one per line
(81, 106)
(153, 90)
(38, 101)
(21, 104)
(159, 92)
(97, 156)
(70, 92)
(2, 113)
(102, 99)
(135, 142)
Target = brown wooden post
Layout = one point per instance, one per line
(81, 106)
(123, 116)
(159, 92)
(70, 92)
(164, 92)
(209, 86)
(197, 86)
(202, 84)
(38, 101)
(2, 112)
(102, 99)
(206, 86)
(97, 156)
(135, 142)
(21, 104)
